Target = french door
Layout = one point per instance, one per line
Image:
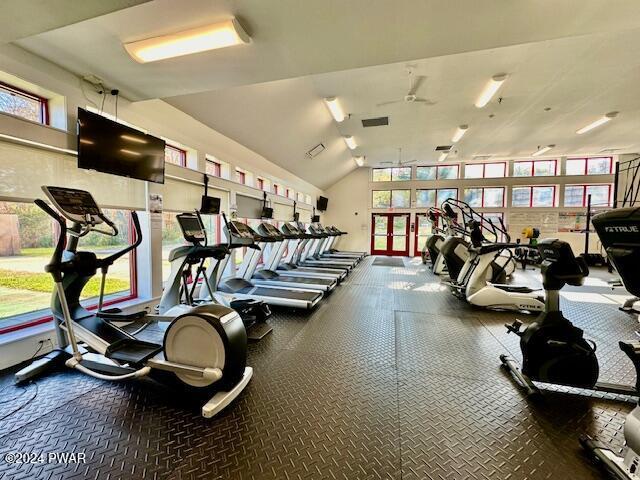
(422, 231)
(390, 234)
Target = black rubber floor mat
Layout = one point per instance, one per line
(388, 262)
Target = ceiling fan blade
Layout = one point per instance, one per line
(408, 162)
(417, 81)
(424, 101)
(388, 103)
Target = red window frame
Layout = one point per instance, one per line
(289, 192)
(241, 177)
(484, 169)
(531, 187)
(533, 167)
(482, 196)
(217, 168)
(438, 167)
(586, 165)
(585, 195)
(434, 190)
(180, 151)
(260, 183)
(44, 102)
(133, 272)
(391, 177)
(391, 197)
(276, 189)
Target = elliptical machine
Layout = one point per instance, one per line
(554, 350)
(619, 232)
(180, 293)
(203, 352)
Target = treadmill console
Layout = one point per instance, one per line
(75, 205)
(268, 230)
(242, 234)
(192, 228)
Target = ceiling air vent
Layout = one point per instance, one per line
(481, 157)
(315, 151)
(375, 122)
(443, 148)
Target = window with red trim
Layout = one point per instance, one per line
(175, 155)
(438, 172)
(485, 197)
(533, 196)
(241, 177)
(394, 174)
(27, 246)
(276, 189)
(290, 193)
(15, 101)
(485, 170)
(535, 168)
(213, 168)
(391, 198)
(433, 197)
(578, 195)
(589, 166)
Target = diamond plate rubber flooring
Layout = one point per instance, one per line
(390, 377)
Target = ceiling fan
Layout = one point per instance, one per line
(415, 81)
(399, 162)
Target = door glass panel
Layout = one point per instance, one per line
(400, 225)
(380, 242)
(380, 227)
(399, 243)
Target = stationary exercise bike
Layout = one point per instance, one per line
(554, 350)
(204, 350)
(619, 232)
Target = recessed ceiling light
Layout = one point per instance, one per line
(542, 150)
(195, 40)
(335, 109)
(601, 121)
(490, 90)
(462, 129)
(351, 142)
(359, 161)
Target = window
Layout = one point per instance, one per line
(23, 104)
(496, 219)
(535, 168)
(578, 195)
(434, 197)
(535, 196)
(589, 166)
(213, 168)
(439, 172)
(391, 198)
(395, 174)
(290, 193)
(175, 155)
(300, 197)
(276, 189)
(260, 184)
(241, 177)
(28, 242)
(487, 197)
(171, 238)
(485, 170)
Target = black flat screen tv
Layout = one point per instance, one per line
(322, 203)
(110, 147)
(210, 205)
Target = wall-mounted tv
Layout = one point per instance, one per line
(110, 147)
(322, 203)
(210, 205)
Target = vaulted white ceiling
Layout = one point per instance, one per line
(579, 58)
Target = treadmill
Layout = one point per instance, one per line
(269, 235)
(338, 233)
(306, 254)
(287, 265)
(317, 249)
(324, 248)
(240, 235)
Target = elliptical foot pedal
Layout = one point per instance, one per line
(221, 399)
(133, 351)
(258, 331)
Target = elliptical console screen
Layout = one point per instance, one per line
(191, 227)
(73, 203)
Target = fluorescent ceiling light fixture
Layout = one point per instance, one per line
(195, 40)
(359, 161)
(351, 142)
(542, 150)
(443, 156)
(462, 129)
(335, 109)
(490, 90)
(601, 121)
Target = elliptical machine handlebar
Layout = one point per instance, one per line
(53, 267)
(107, 261)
